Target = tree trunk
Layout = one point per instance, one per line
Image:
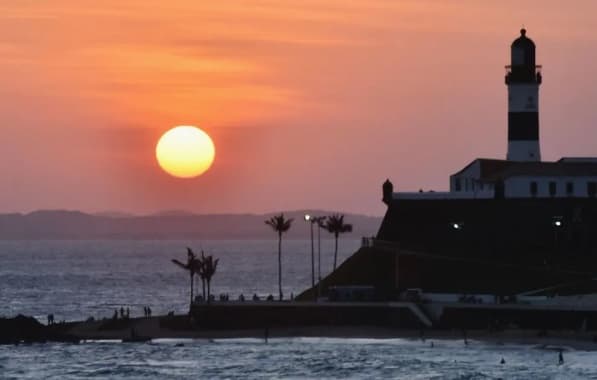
(208, 290)
(203, 286)
(191, 304)
(336, 252)
(280, 264)
(195, 290)
(312, 258)
(318, 261)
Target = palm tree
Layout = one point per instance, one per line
(280, 225)
(334, 224)
(190, 265)
(208, 269)
(201, 272)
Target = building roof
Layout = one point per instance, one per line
(494, 170)
(488, 166)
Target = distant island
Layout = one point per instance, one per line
(61, 224)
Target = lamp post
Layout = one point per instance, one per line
(319, 220)
(309, 219)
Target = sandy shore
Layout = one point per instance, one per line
(150, 328)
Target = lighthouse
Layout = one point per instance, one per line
(523, 78)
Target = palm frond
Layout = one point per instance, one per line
(279, 223)
(190, 254)
(335, 224)
(180, 264)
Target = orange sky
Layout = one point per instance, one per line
(311, 104)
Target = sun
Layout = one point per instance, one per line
(185, 152)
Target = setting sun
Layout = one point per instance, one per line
(185, 152)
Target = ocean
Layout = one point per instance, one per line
(78, 279)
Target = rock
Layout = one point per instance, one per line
(28, 329)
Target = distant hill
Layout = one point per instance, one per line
(58, 224)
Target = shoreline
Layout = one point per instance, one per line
(149, 329)
(144, 329)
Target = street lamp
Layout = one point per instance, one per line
(310, 220)
(557, 222)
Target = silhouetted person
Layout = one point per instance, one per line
(431, 345)
(255, 297)
(121, 312)
(128, 312)
(502, 361)
(560, 357)
(115, 316)
(50, 319)
(148, 311)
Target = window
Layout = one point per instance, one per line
(591, 189)
(534, 189)
(457, 184)
(552, 189)
(569, 189)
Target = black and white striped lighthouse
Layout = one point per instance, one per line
(523, 78)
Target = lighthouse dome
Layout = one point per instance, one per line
(523, 41)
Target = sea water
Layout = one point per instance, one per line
(77, 279)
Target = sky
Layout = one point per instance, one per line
(311, 104)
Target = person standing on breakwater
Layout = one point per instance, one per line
(560, 357)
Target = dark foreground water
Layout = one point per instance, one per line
(306, 358)
(75, 280)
